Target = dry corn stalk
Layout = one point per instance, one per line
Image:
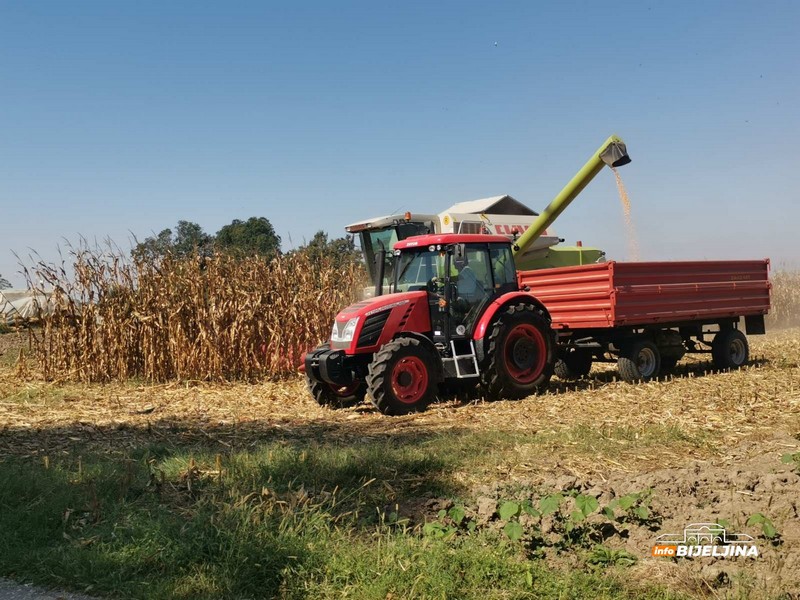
(206, 318)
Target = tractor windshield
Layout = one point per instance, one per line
(415, 269)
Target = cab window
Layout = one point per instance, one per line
(503, 268)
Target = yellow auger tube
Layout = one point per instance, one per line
(612, 153)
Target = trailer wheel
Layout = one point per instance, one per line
(640, 362)
(401, 377)
(574, 365)
(333, 396)
(730, 349)
(521, 354)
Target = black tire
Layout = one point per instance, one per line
(402, 377)
(641, 361)
(520, 355)
(573, 365)
(730, 349)
(332, 396)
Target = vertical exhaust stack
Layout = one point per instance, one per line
(612, 153)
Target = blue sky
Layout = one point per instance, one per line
(126, 117)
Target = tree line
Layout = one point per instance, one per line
(254, 237)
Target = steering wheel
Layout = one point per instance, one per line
(435, 285)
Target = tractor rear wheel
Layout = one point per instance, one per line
(574, 364)
(402, 377)
(641, 361)
(729, 349)
(520, 354)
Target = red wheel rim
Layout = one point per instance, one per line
(344, 390)
(525, 353)
(409, 379)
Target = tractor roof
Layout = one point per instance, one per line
(450, 238)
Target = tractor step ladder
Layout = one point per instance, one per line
(457, 357)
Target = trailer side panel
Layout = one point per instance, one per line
(616, 294)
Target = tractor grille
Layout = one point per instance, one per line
(371, 331)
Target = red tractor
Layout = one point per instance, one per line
(455, 314)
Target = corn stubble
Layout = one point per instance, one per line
(212, 319)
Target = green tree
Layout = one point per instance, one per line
(188, 238)
(342, 250)
(4, 283)
(254, 236)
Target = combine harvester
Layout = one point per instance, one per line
(458, 311)
(500, 215)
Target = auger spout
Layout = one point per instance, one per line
(612, 153)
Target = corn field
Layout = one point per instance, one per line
(214, 318)
(785, 310)
(208, 318)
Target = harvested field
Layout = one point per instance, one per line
(707, 444)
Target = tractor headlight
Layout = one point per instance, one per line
(348, 332)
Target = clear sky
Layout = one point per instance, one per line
(126, 117)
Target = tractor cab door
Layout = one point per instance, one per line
(471, 286)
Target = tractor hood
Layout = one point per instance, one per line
(366, 325)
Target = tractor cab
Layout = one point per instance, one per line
(461, 274)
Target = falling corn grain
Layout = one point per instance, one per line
(630, 229)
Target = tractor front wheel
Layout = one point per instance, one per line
(520, 354)
(336, 396)
(401, 377)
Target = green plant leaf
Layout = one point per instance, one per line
(457, 513)
(508, 510)
(442, 514)
(513, 530)
(527, 508)
(472, 526)
(642, 512)
(768, 529)
(608, 511)
(586, 504)
(433, 529)
(790, 458)
(577, 516)
(529, 578)
(627, 501)
(550, 504)
(756, 519)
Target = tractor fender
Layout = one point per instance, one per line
(482, 326)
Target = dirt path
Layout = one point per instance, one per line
(15, 591)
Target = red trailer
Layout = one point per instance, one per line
(647, 315)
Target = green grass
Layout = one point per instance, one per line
(284, 519)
